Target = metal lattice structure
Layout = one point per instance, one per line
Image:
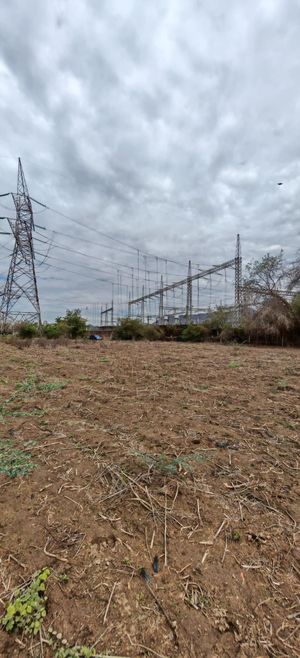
(189, 294)
(21, 291)
(238, 282)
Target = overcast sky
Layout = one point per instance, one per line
(167, 125)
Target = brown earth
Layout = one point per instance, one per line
(185, 452)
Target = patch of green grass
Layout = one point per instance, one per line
(32, 384)
(282, 385)
(168, 465)
(234, 364)
(63, 578)
(13, 461)
(75, 652)
(17, 412)
(27, 610)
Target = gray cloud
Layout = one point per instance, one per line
(165, 125)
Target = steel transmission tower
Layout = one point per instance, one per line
(21, 283)
(189, 293)
(238, 282)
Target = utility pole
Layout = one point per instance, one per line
(128, 306)
(161, 301)
(189, 294)
(21, 282)
(112, 312)
(198, 291)
(143, 305)
(238, 282)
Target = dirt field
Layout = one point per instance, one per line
(144, 457)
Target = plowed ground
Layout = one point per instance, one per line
(184, 453)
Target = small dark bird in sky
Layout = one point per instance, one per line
(279, 183)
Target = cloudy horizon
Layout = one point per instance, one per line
(166, 126)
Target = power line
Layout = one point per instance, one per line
(86, 267)
(104, 260)
(106, 235)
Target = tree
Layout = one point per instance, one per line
(267, 274)
(218, 320)
(74, 324)
(266, 286)
(129, 329)
(272, 275)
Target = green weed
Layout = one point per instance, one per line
(282, 385)
(63, 578)
(75, 652)
(14, 462)
(27, 610)
(32, 384)
(235, 535)
(234, 364)
(166, 465)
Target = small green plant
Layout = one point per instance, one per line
(63, 578)
(282, 385)
(234, 364)
(28, 385)
(14, 462)
(235, 535)
(75, 652)
(168, 465)
(27, 610)
(51, 386)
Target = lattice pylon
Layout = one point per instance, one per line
(238, 282)
(20, 290)
(189, 294)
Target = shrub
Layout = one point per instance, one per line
(73, 324)
(195, 333)
(27, 330)
(54, 330)
(151, 332)
(129, 329)
(233, 335)
(171, 332)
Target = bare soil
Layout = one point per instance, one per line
(184, 453)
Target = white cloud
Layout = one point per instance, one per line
(167, 125)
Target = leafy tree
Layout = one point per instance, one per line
(73, 323)
(266, 274)
(217, 321)
(129, 329)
